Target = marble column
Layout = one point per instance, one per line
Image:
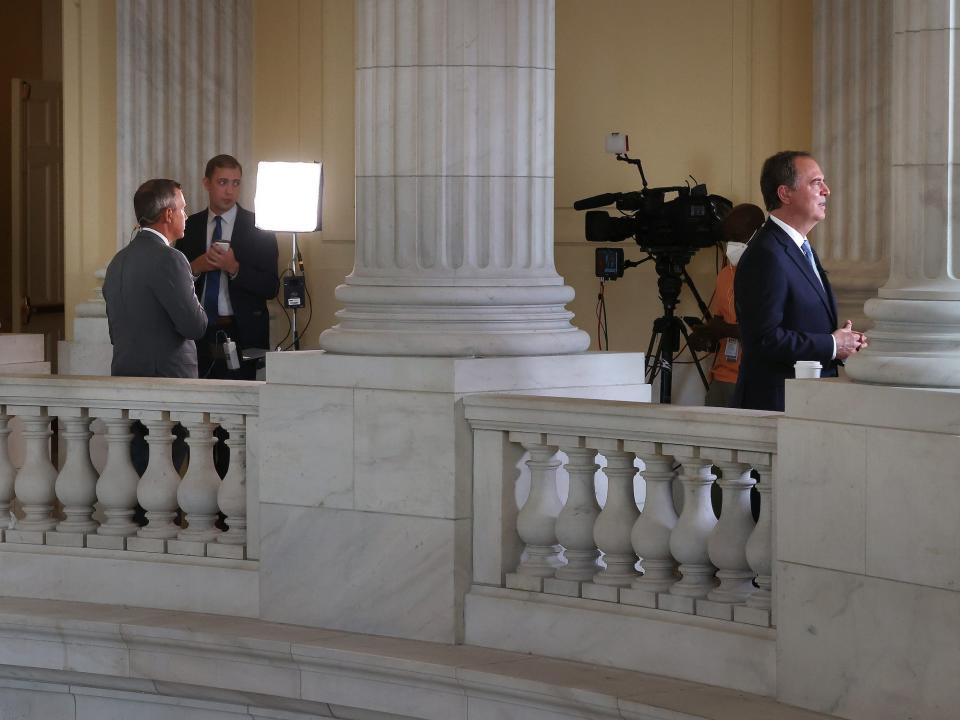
(454, 245)
(184, 93)
(916, 337)
(852, 75)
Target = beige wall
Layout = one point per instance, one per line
(303, 110)
(706, 87)
(89, 145)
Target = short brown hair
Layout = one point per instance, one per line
(152, 198)
(221, 161)
(778, 170)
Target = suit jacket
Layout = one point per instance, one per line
(255, 283)
(784, 314)
(152, 312)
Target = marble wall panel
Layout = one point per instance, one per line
(142, 582)
(197, 667)
(861, 647)
(307, 446)
(361, 571)
(821, 494)
(704, 651)
(405, 699)
(20, 702)
(482, 708)
(913, 502)
(405, 455)
(91, 707)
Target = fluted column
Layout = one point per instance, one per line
(576, 520)
(7, 472)
(76, 485)
(184, 93)
(916, 336)
(454, 244)
(853, 45)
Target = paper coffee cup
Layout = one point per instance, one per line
(806, 369)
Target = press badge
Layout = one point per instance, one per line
(732, 349)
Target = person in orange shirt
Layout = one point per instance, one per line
(720, 333)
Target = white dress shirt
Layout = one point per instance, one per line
(227, 222)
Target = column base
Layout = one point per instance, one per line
(914, 343)
(477, 321)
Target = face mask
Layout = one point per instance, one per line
(734, 251)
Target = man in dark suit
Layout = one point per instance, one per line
(235, 267)
(785, 306)
(152, 312)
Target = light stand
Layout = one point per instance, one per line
(295, 263)
(289, 199)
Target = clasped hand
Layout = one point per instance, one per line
(215, 259)
(849, 341)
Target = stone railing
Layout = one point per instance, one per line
(656, 466)
(70, 504)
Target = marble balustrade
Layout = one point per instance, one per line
(658, 472)
(77, 487)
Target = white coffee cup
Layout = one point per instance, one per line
(807, 369)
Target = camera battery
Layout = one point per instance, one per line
(609, 263)
(293, 291)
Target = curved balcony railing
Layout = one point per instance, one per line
(83, 489)
(635, 504)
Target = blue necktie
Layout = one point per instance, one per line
(808, 252)
(211, 291)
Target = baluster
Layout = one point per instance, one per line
(759, 608)
(34, 483)
(76, 485)
(688, 541)
(7, 471)
(157, 489)
(232, 495)
(117, 487)
(651, 532)
(197, 493)
(612, 530)
(537, 519)
(728, 541)
(576, 520)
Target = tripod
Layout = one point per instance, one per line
(671, 266)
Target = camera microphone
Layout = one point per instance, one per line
(624, 201)
(596, 201)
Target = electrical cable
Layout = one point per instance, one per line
(306, 289)
(283, 309)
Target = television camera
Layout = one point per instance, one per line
(670, 224)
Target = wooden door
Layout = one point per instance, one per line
(37, 210)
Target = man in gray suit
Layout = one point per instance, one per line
(153, 314)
